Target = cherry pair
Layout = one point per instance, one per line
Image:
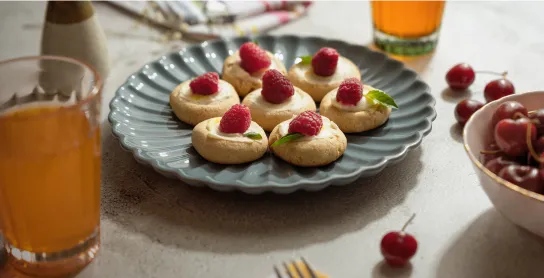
(461, 76)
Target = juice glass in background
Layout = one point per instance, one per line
(49, 164)
(407, 28)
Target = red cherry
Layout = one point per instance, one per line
(465, 109)
(511, 136)
(538, 145)
(508, 110)
(497, 89)
(523, 176)
(538, 115)
(398, 247)
(497, 164)
(460, 77)
(491, 152)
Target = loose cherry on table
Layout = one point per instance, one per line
(465, 109)
(398, 247)
(460, 77)
(498, 88)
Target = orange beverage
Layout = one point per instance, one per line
(50, 172)
(407, 27)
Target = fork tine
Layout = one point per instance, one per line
(299, 272)
(288, 270)
(278, 273)
(309, 268)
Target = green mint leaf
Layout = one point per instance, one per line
(253, 135)
(255, 42)
(381, 98)
(305, 60)
(288, 138)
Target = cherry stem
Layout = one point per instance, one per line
(503, 74)
(535, 121)
(519, 115)
(408, 222)
(530, 145)
(490, 152)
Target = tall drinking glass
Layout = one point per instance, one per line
(407, 28)
(49, 164)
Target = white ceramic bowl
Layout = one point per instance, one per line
(521, 206)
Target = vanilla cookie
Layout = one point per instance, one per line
(317, 81)
(277, 101)
(231, 139)
(247, 80)
(363, 115)
(202, 98)
(321, 147)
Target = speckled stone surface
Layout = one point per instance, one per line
(157, 227)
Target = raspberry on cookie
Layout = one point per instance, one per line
(206, 96)
(322, 72)
(205, 84)
(253, 58)
(231, 139)
(245, 68)
(325, 61)
(355, 107)
(278, 100)
(307, 140)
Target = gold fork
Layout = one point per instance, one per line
(298, 270)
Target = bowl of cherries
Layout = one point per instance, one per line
(505, 142)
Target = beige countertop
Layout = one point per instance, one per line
(154, 227)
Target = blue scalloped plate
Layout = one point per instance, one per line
(144, 123)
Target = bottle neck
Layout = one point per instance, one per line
(68, 12)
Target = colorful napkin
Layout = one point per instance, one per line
(215, 18)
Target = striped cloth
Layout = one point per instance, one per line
(214, 18)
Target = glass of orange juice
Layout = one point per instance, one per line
(49, 164)
(407, 28)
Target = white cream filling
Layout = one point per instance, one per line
(362, 105)
(343, 71)
(239, 72)
(186, 93)
(329, 129)
(214, 132)
(294, 103)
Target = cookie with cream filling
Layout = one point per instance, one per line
(194, 104)
(218, 141)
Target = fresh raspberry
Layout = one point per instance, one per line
(276, 87)
(308, 123)
(350, 91)
(205, 84)
(253, 57)
(324, 61)
(236, 120)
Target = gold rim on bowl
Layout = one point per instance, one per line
(499, 180)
